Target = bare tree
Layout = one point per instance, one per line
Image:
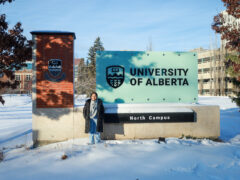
(85, 82)
(201, 86)
(149, 46)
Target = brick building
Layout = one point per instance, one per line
(24, 76)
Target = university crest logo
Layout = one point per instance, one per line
(55, 67)
(55, 73)
(115, 76)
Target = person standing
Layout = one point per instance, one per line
(93, 113)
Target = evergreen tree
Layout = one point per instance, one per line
(15, 50)
(92, 58)
(98, 46)
(231, 33)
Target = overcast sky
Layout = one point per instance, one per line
(172, 25)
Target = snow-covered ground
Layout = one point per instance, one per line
(110, 160)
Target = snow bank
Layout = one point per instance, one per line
(15, 121)
(222, 101)
(15, 100)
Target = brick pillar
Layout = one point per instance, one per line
(53, 86)
(54, 69)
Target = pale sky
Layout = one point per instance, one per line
(172, 25)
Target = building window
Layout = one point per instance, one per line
(28, 77)
(17, 77)
(205, 91)
(206, 70)
(206, 81)
(206, 59)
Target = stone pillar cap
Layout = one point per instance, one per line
(53, 33)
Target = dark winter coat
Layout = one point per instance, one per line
(100, 115)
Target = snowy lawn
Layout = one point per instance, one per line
(128, 160)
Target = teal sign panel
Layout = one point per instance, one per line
(147, 77)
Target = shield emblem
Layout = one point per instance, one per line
(115, 76)
(55, 67)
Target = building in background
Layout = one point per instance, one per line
(24, 76)
(212, 77)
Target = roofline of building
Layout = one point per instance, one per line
(53, 33)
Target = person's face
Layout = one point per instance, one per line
(93, 97)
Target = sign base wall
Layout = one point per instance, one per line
(72, 126)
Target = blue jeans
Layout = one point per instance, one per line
(94, 136)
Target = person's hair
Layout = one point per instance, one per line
(94, 93)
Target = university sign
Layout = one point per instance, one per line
(116, 80)
(146, 95)
(147, 77)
